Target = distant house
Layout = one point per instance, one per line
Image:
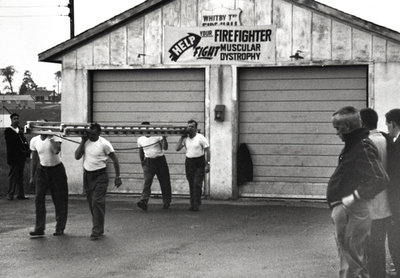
(43, 95)
(12, 102)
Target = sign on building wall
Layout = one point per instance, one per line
(219, 45)
(221, 16)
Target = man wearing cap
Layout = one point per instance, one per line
(17, 153)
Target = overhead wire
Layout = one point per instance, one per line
(32, 15)
(16, 7)
(37, 6)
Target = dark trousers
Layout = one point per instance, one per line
(377, 250)
(16, 180)
(394, 242)
(55, 180)
(95, 184)
(195, 175)
(156, 167)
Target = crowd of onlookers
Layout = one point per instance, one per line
(364, 192)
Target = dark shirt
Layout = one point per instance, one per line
(17, 146)
(393, 167)
(359, 169)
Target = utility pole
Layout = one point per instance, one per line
(71, 18)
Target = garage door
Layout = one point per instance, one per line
(285, 120)
(162, 97)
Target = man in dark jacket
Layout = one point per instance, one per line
(17, 152)
(393, 125)
(358, 177)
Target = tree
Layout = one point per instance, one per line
(8, 73)
(57, 75)
(27, 83)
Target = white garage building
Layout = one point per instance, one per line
(280, 68)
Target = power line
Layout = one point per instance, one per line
(33, 15)
(37, 6)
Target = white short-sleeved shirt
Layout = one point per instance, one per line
(47, 157)
(153, 150)
(195, 146)
(96, 154)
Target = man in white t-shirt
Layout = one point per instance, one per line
(154, 163)
(47, 168)
(95, 151)
(197, 161)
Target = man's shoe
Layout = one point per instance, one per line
(95, 236)
(10, 198)
(36, 233)
(58, 233)
(166, 205)
(22, 198)
(142, 205)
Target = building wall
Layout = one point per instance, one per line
(323, 40)
(386, 90)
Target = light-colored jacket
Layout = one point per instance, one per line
(379, 205)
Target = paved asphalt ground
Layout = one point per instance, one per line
(243, 238)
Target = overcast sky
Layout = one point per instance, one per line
(27, 30)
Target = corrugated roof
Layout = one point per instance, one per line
(54, 54)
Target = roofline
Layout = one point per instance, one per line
(350, 19)
(53, 54)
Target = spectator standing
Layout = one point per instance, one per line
(95, 151)
(358, 177)
(17, 152)
(49, 171)
(154, 163)
(379, 205)
(393, 126)
(197, 161)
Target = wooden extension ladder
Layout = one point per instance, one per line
(78, 129)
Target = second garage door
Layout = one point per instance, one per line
(285, 119)
(162, 97)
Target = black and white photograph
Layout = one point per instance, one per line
(200, 138)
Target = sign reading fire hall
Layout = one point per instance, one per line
(219, 45)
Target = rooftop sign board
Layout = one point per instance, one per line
(221, 16)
